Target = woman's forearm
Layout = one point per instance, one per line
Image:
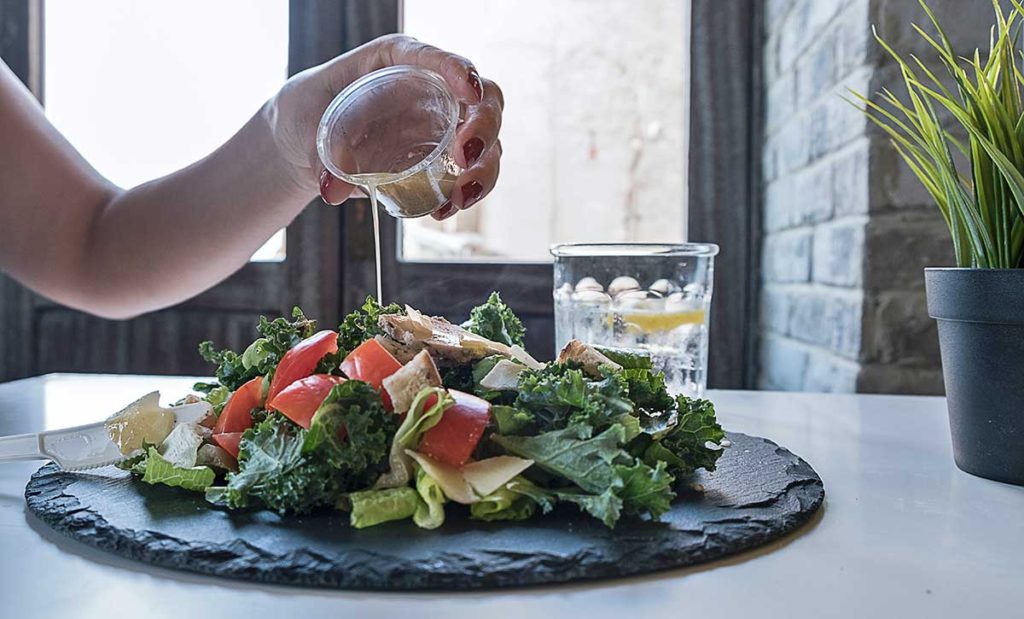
(158, 243)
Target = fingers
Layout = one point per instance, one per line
(333, 190)
(458, 72)
(480, 129)
(477, 181)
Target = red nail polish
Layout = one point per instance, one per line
(326, 178)
(474, 83)
(472, 149)
(444, 211)
(471, 193)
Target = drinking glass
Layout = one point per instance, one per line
(648, 297)
(393, 131)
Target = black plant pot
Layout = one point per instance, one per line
(980, 315)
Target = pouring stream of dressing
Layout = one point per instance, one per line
(372, 190)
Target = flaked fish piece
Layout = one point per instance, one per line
(446, 342)
(590, 358)
(404, 353)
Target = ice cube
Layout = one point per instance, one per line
(664, 287)
(589, 283)
(622, 284)
(677, 301)
(639, 300)
(591, 296)
(563, 292)
(693, 290)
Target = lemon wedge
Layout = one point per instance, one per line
(655, 322)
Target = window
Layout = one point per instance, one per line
(595, 135)
(145, 88)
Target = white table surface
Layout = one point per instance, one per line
(903, 533)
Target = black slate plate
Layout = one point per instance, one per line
(759, 493)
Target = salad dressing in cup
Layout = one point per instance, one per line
(392, 133)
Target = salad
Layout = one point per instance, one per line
(398, 415)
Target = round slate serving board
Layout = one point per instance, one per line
(759, 493)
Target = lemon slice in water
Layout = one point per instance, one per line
(654, 322)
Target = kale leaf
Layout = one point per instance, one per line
(611, 481)
(262, 356)
(495, 321)
(684, 448)
(560, 394)
(362, 325)
(352, 431)
(291, 470)
(647, 389)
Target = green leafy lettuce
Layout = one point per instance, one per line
(495, 321)
(372, 507)
(430, 510)
(156, 469)
(424, 413)
(503, 504)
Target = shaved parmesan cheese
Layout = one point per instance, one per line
(504, 376)
(486, 476)
(474, 480)
(452, 483)
(520, 355)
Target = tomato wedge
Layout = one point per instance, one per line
(229, 441)
(371, 363)
(301, 360)
(456, 435)
(237, 413)
(299, 400)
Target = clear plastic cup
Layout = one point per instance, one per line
(394, 129)
(649, 297)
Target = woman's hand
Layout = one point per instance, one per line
(294, 115)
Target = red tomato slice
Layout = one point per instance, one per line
(371, 363)
(237, 413)
(301, 360)
(299, 400)
(456, 435)
(229, 441)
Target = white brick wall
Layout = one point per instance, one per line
(848, 229)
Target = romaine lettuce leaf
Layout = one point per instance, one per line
(159, 470)
(372, 507)
(503, 504)
(430, 509)
(418, 420)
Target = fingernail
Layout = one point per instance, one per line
(472, 149)
(471, 193)
(474, 83)
(326, 178)
(445, 211)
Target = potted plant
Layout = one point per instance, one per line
(972, 164)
